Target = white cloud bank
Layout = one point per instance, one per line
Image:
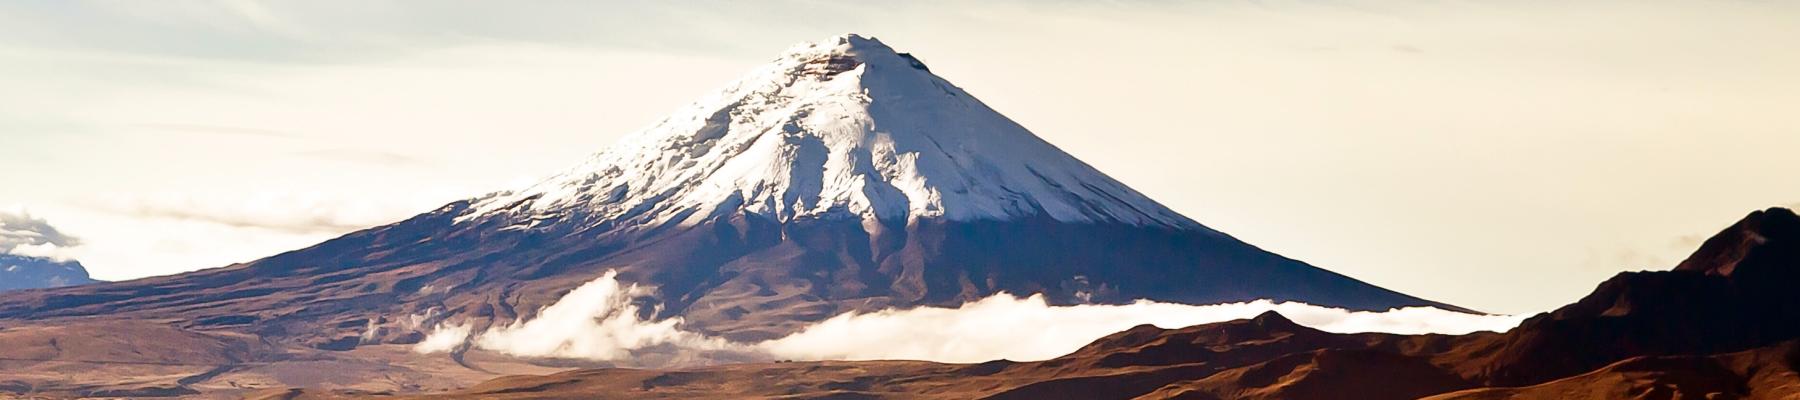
(598, 322)
(24, 235)
(595, 321)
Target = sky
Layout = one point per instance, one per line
(1503, 156)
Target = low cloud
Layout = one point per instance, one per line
(444, 339)
(988, 329)
(598, 322)
(25, 235)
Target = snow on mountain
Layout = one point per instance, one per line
(843, 128)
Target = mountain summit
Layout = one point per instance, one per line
(843, 128)
(843, 176)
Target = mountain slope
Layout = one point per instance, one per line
(843, 176)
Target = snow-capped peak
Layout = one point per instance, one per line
(841, 128)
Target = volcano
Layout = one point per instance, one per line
(843, 176)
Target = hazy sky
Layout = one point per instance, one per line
(1505, 156)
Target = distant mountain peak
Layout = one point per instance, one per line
(1723, 252)
(27, 272)
(843, 128)
(1274, 320)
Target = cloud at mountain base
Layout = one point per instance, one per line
(597, 321)
(1004, 326)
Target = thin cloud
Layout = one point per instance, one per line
(218, 130)
(310, 223)
(283, 212)
(363, 156)
(1688, 242)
